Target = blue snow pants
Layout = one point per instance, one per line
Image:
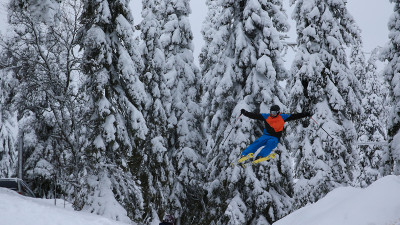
(269, 142)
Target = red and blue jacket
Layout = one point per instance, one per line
(274, 125)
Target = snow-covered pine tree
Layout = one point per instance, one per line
(8, 124)
(324, 84)
(209, 54)
(391, 53)
(113, 65)
(358, 67)
(156, 170)
(242, 66)
(357, 61)
(373, 126)
(183, 111)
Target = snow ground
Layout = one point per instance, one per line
(378, 204)
(16, 209)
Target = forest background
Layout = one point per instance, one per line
(121, 117)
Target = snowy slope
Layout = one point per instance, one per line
(378, 204)
(19, 210)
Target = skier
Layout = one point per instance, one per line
(274, 122)
(168, 220)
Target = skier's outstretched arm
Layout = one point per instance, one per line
(297, 116)
(256, 116)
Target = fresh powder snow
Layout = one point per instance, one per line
(378, 204)
(16, 209)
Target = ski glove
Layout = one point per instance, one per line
(243, 111)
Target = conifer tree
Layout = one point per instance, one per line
(323, 83)
(358, 68)
(357, 61)
(156, 169)
(391, 53)
(184, 133)
(372, 125)
(242, 66)
(112, 64)
(209, 53)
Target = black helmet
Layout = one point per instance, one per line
(275, 108)
(169, 219)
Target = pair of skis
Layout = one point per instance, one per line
(242, 161)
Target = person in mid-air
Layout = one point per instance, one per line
(274, 123)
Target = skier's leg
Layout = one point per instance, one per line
(272, 142)
(261, 141)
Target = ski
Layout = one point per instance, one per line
(268, 157)
(242, 159)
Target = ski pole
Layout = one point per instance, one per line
(321, 127)
(218, 140)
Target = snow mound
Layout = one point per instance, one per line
(378, 204)
(16, 209)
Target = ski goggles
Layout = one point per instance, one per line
(274, 113)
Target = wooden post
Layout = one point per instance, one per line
(20, 147)
(55, 189)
